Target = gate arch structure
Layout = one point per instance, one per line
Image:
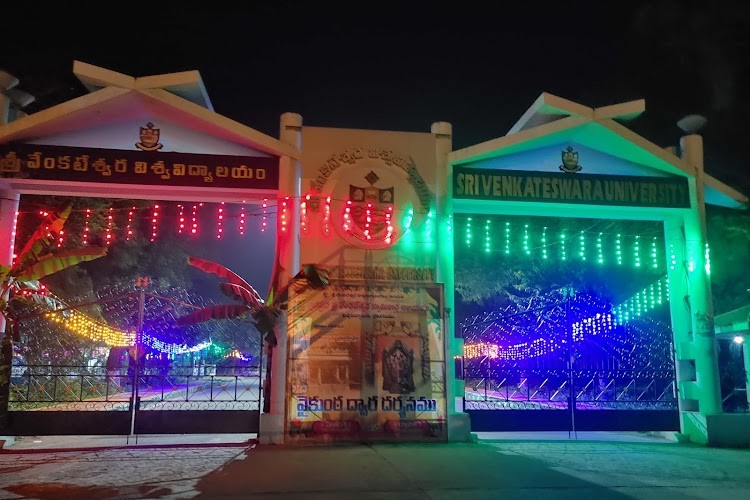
(391, 215)
(563, 161)
(150, 138)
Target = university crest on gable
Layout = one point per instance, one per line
(149, 138)
(369, 212)
(569, 161)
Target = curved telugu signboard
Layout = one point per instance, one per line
(62, 163)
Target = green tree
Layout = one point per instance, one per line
(729, 244)
(19, 284)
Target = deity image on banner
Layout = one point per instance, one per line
(397, 363)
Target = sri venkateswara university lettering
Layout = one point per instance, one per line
(515, 185)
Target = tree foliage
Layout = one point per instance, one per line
(729, 242)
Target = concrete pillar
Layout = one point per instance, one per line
(459, 427)
(682, 323)
(702, 346)
(8, 212)
(287, 261)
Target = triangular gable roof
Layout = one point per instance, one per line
(186, 84)
(180, 97)
(552, 120)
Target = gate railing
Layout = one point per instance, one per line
(504, 387)
(86, 388)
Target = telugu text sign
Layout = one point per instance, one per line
(622, 190)
(62, 163)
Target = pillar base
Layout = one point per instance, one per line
(271, 429)
(722, 430)
(459, 428)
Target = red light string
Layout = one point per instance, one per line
(194, 220)
(264, 221)
(86, 228)
(129, 226)
(43, 214)
(242, 219)
(326, 226)
(347, 216)
(303, 223)
(108, 231)
(154, 222)
(283, 214)
(368, 219)
(220, 221)
(389, 224)
(181, 219)
(13, 238)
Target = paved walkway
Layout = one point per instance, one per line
(515, 467)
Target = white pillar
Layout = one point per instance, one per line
(8, 212)
(8, 198)
(677, 273)
(701, 346)
(459, 426)
(287, 253)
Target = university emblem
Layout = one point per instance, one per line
(371, 210)
(149, 138)
(570, 161)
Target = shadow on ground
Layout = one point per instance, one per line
(450, 471)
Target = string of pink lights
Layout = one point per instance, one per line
(122, 223)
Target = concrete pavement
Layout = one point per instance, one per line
(601, 467)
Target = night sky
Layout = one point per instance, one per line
(390, 65)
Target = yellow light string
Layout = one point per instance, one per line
(82, 325)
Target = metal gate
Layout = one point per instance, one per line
(566, 363)
(114, 390)
(60, 400)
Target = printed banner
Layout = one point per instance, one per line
(366, 363)
(41, 162)
(518, 185)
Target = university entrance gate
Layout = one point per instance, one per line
(553, 191)
(160, 141)
(565, 362)
(174, 389)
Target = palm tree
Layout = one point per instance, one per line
(263, 313)
(19, 284)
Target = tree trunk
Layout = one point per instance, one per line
(267, 381)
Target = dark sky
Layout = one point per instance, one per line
(404, 65)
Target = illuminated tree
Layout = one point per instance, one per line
(19, 285)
